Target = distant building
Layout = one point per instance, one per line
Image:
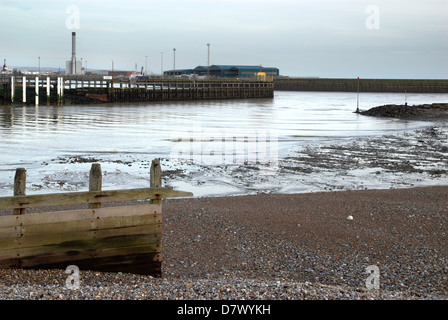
(5, 69)
(178, 72)
(69, 66)
(73, 66)
(120, 73)
(227, 71)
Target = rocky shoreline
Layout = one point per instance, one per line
(421, 112)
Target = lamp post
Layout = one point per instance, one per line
(39, 65)
(146, 65)
(208, 60)
(174, 63)
(161, 63)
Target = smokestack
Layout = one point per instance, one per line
(73, 52)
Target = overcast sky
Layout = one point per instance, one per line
(319, 38)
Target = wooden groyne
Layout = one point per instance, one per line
(88, 89)
(365, 85)
(108, 230)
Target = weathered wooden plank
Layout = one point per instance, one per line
(150, 229)
(127, 222)
(48, 229)
(125, 211)
(83, 214)
(88, 244)
(10, 221)
(89, 197)
(127, 241)
(56, 233)
(42, 240)
(133, 259)
(155, 248)
(9, 232)
(113, 223)
(68, 256)
(142, 263)
(20, 247)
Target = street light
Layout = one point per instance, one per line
(39, 64)
(161, 63)
(146, 65)
(174, 64)
(208, 60)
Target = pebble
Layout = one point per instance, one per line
(242, 255)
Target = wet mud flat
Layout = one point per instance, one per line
(399, 160)
(396, 160)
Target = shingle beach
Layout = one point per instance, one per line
(272, 246)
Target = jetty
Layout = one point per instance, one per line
(77, 89)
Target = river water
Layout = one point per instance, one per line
(301, 142)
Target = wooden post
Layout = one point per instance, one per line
(161, 90)
(12, 88)
(48, 90)
(62, 89)
(24, 89)
(58, 89)
(95, 182)
(19, 187)
(156, 177)
(37, 90)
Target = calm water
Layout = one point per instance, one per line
(126, 137)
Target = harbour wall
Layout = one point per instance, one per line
(365, 85)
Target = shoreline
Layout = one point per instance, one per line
(279, 247)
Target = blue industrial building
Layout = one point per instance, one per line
(226, 71)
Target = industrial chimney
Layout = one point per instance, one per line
(73, 52)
